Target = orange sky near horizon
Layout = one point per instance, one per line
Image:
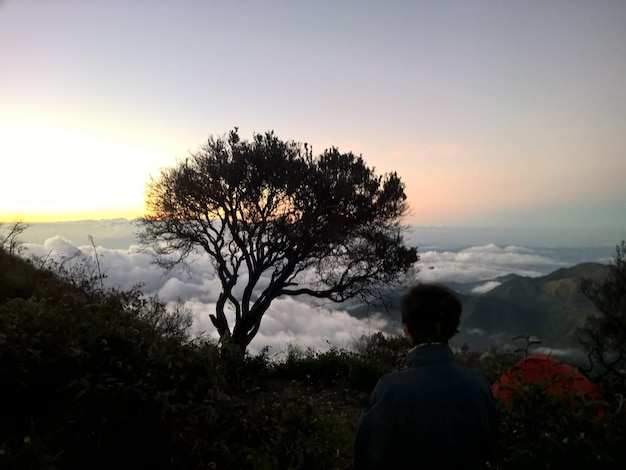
(71, 175)
(75, 176)
(493, 114)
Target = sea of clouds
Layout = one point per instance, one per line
(299, 320)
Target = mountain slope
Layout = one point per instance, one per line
(550, 307)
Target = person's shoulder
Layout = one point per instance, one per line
(392, 378)
(396, 379)
(393, 388)
(472, 375)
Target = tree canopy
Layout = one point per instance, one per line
(276, 220)
(604, 336)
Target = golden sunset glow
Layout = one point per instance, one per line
(58, 175)
(483, 122)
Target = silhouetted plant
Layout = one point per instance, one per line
(95, 379)
(388, 350)
(277, 221)
(333, 368)
(604, 336)
(492, 363)
(539, 429)
(113, 379)
(10, 242)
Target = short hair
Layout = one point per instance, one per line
(431, 313)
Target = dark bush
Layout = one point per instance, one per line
(492, 363)
(389, 351)
(543, 430)
(94, 379)
(335, 368)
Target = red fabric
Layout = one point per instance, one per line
(558, 377)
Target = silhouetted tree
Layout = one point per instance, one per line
(276, 221)
(604, 335)
(11, 242)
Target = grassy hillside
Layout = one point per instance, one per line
(94, 379)
(20, 279)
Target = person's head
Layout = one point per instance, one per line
(430, 313)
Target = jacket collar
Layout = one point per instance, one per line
(429, 354)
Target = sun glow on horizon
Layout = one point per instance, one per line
(54, 175)
(69, 215)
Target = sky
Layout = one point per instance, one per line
(503, 114)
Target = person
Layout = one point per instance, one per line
(435, 414)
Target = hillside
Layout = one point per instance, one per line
(550, 307)
(96, 379)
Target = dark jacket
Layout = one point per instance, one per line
(435, 414)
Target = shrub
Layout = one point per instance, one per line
(92, 382)
(603, 336)
(10, 241)
(542, 430)
(492, 363)
(94, 379)
(335, 368)
(389, 351)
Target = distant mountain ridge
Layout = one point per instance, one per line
(551, 308)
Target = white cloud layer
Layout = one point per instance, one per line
(481, 263)
(293, 320)
(486, 287)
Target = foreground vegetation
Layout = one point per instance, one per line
(105, 379)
